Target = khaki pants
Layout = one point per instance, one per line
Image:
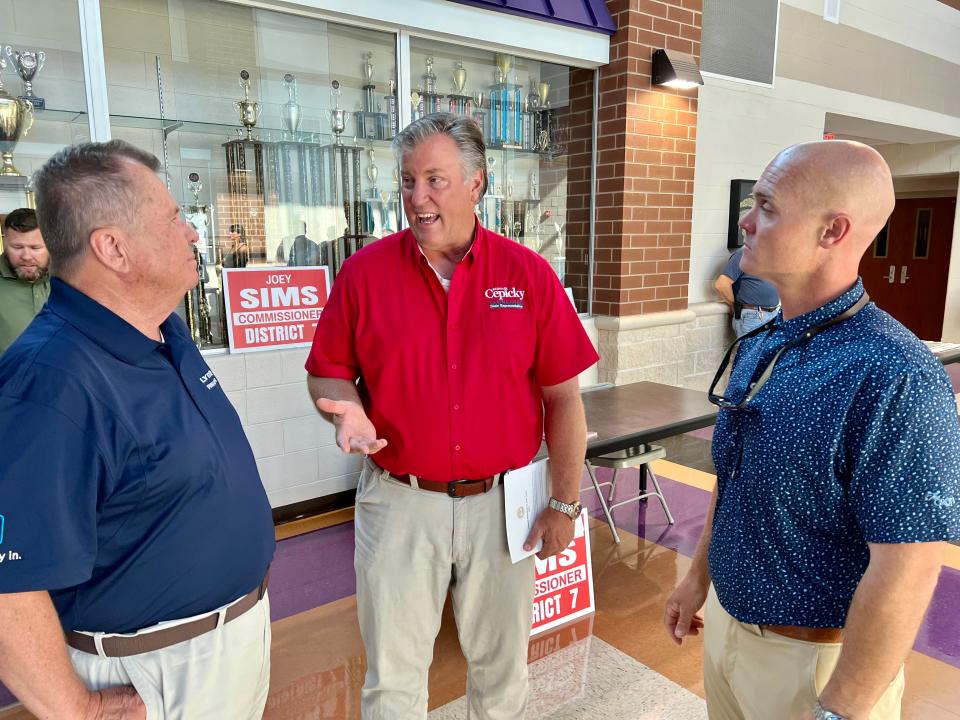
(411, 547)
(224, 673)
(754, 674)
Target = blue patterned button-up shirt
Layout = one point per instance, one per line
(853, 440)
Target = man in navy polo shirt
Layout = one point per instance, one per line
(134, 517)
(838, 466)
(467, 350)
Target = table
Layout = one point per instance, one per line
(626, 416)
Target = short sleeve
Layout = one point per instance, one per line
(49, 490)
(563, 348)
(732, 268)
(905, 460)
(333, 353)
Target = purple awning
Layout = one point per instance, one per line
(586, 14)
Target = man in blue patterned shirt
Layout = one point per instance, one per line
(837, 451)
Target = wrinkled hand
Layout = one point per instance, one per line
(681, 616)
(119, 703)
(556, 530)
(355, 432)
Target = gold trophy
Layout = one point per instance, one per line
(16, 119)
(247, 109)
(504, 63)
(543, 90)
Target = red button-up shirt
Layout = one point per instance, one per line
(452, 381)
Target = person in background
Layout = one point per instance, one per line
(753, 301)
(24, 274)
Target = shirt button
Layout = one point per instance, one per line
(457, 448)
(456, 407)
(453, 367)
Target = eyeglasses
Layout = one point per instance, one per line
(755, 387)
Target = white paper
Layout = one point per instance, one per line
(526, 492)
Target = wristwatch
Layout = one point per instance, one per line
(571, 510)
(820, 713)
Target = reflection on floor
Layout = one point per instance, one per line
(617, 664)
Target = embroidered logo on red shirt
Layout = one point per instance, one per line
(502, 297)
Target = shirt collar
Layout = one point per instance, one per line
(103, 326)
(795, 327)
(476, 247)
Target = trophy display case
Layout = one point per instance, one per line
(43, 103)
(513, 102)
(279, 152)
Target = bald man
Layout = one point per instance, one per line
(838, 466)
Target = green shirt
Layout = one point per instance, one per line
(19, 302)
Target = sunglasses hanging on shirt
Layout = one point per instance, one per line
(725, 402)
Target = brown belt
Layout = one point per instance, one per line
(454, 488)
(807, 634)
(126, 645)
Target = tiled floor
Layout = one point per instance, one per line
(617, 664)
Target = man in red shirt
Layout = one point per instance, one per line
(467, 351)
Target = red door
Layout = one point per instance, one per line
(905, 270)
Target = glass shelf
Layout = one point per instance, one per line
(52, 114)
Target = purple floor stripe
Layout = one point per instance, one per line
(312, 570)
(939, 636)
(646, 519)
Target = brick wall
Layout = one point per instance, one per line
(646, 155)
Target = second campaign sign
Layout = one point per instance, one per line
(274, 307)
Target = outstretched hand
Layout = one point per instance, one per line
(355, 433)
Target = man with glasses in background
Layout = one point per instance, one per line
(837, 452)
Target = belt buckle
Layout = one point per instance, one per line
(451, 488)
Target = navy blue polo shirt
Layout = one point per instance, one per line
(129, 490)
(853, 440)
(749, 289)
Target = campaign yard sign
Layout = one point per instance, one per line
(563, 585)
(274, 307)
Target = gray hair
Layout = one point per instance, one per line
(84, 187)
(462, 130)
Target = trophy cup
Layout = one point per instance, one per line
(458, 101)
(533, 99)
(504, 63)
(369, 105)
(195, 186)
(290, 111)
(247, 109)
(16, 119)
(416, 110)
(373, 172)
(459, 77)
(491, 178)
(338, 117)
(27, 64)
(543, 90)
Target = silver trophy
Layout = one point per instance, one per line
(338, 116)
(194, 185)
(290, 111)
(247, 109)
(373, 172)
(429, 77)
(27, 64)
(459, 77)
(369, 102)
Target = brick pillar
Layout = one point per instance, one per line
(645, 163)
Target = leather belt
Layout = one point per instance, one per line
(748, 306)
(807, 634)
(454, 488)
(127, 645)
